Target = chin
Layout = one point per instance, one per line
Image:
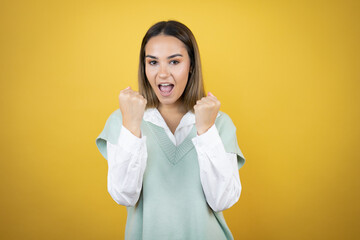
(167, 101)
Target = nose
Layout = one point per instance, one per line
(163, 71)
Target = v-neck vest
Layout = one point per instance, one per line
(172, 204)
(173, 153)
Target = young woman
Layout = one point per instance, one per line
(173, 156)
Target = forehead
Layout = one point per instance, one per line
(164, 45)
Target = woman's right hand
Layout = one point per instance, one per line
(132, 107)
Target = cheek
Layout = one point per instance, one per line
(183, 73)
(149, 74)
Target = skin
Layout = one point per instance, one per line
(161, 67)
(167, 61)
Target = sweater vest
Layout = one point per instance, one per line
(172, 204)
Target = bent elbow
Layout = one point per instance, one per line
(216, 208)
(220, 207)
(121, 197)
(226, 199)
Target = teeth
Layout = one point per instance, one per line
(165, 84)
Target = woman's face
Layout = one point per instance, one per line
(167, 66)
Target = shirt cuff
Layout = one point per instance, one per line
(208, 139)
(129, 142)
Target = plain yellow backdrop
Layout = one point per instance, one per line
(286, 72)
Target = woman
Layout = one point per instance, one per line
(173, 157)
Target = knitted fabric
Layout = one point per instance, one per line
(172, 204)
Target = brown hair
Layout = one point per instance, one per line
(194, 89)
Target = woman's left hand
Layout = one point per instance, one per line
(206, 110)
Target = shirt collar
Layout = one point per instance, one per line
(153, 115)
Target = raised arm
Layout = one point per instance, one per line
(126, 166)
(219, 173)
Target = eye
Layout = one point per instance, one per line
(152, 62)
(174, 62)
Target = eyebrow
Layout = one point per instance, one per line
(174, 55)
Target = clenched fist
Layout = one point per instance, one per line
(132, 107)
(206, 110)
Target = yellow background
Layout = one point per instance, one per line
(286, 72)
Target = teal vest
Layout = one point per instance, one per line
(172, 204)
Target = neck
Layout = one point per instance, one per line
(175, 108)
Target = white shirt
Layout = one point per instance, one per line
(127, 159)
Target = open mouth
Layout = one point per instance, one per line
(166, 88)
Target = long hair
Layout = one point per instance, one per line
(194, 89)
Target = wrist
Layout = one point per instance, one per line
(133, 128)
(201, 130)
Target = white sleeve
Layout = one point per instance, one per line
(219, 172)
(126, 166)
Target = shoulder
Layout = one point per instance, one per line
(223, 119)
(223, 116)
(112, 127)
(114, 121)
(115, 115)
